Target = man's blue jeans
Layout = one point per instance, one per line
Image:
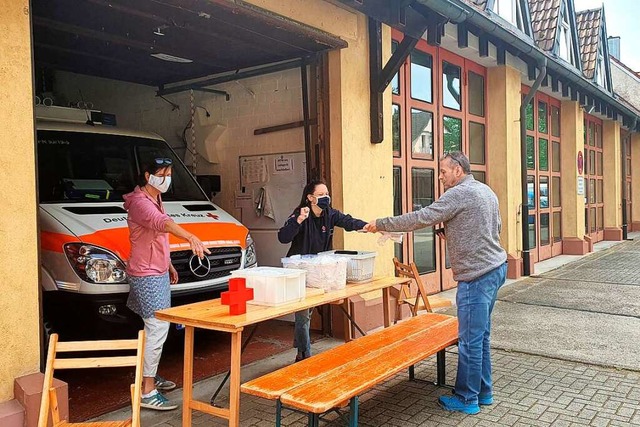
(301, 339)
(475, 301)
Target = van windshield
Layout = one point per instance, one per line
(90, 167)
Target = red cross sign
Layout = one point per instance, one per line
(237, 296)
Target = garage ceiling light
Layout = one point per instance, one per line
(171, 58)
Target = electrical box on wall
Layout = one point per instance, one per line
(209, 183)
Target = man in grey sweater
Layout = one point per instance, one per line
(471, 217)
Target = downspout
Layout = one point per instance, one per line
(526, 260)
(625, 228)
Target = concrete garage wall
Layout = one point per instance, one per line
(19, 318)
(257, 102)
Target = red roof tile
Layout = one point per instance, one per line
(589, 24)
(544, 20)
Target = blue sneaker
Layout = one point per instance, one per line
(485, 400)
(452, 403)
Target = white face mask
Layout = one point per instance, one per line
(160, 183)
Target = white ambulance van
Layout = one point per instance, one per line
(84, 168)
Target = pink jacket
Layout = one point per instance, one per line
(149, 242)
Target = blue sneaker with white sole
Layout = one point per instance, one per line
(485, 400)
(452, 403)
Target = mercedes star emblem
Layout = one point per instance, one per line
(200, 267)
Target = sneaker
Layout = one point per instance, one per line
(485, 401)
(157, 402)
(452, 403)
(300, 357)
(164, 385)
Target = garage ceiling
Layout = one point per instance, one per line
(117, 38)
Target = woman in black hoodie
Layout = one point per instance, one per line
(309, 229)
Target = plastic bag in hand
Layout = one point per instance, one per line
(396, 237)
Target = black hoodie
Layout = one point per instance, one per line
(315, 234)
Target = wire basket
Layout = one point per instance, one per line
(360, 266)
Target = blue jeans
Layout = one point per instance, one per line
(475, 300)
(301, 339)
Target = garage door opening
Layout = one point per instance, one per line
(219, 81)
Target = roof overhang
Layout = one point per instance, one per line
(408, 15)
(118, 39)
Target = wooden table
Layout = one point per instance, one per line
(212, 315)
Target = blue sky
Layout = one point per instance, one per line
(623, 19)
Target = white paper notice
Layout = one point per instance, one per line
(244, 199)
(254, 171)
(283, 164)
(580, 186)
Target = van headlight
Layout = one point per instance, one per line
(251, 258)
(95, 264)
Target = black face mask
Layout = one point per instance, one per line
(323, 202)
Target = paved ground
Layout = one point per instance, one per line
(566, 354)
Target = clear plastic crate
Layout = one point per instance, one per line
(326, 272)
(273, 286)
(361, 264)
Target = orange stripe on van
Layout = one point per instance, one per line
(117, 239)
(54, 242)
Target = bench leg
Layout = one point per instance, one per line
(353, 322)
(412, 373)
(278, 413)
(314, 420)
(353, 412)
(440, 362)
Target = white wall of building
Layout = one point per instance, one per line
(257, 102)
(626, 83)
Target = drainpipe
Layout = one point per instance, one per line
(526, 260)
(625, 234)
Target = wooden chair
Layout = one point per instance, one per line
(49, 402)
(420, 301)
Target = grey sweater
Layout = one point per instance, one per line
(472, 223)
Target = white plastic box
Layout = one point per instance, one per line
(326, 272)
(361, 264)
(274, 286)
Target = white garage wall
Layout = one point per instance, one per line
(255, 103)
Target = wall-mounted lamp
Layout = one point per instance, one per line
(589, 109)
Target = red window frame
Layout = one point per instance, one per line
(554, 245)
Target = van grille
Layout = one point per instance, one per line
(223, 262)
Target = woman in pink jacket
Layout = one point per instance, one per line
(150, 271)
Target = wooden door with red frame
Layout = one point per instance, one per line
(463, 124)
(438, 106)
(543, 176)
(593, 179)
(415, 156)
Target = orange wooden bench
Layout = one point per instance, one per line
(330, 379)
